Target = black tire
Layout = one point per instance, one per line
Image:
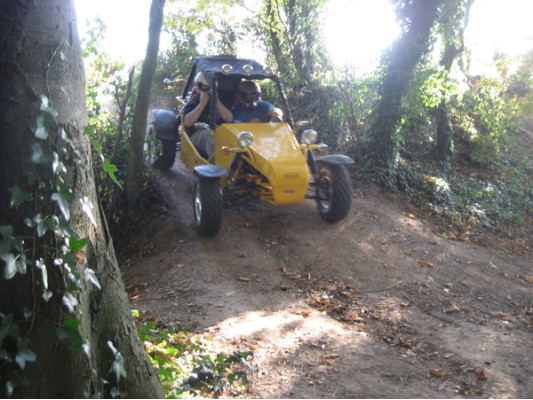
(207, 206)
(333, 192)
(168, 155)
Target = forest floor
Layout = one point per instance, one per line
(380, 305)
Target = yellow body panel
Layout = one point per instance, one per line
(274, 153)
(188, 153)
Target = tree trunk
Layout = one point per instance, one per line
(58, 344)
(135, 155)
(453, 47)
(382, 148)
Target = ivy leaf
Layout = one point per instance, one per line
(18, 196)
(38, 156)
(8, 328)
(89, 130)
(9, 241)
(13, 265)
(63, 197)
(6, 230)
(40, 224)
(90, 276)
(87, 207)
(112, 347)
(46, 108)
(63, 135)
(44, 120)
(86, 349)
(75, 244)
(118, 364)
(47, 295)
(110, 169)
(24, 354)
(70, 331)
(57, 165)
(44, 273)
(70, 302)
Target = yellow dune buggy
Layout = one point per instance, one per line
(271, 161)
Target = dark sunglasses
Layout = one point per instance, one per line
(252, 95)
(203, 87)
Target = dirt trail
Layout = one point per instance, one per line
(376, 306)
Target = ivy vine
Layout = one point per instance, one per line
(54, 150)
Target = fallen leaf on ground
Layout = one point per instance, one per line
(426, 263)
(452, 309)
(502, 316)
(480, 373)
(437, 373)
(304, 313)
(352, 316)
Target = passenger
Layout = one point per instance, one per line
(250, 108)
(197, 110)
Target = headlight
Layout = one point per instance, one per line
(309, 136)
(245, 139)
(226, 68)
(247, 69)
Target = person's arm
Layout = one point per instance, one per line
(274, 112)
(225, 113)
(192, 117)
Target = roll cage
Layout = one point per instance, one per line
(224, 73)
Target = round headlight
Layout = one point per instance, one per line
(268, 70)
(247, 69)
(245, 139)
(226, 68)
(309, 136)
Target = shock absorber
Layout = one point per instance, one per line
(235, 169)
(311, 162)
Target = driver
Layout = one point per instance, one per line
(197, 110)
(250, 108)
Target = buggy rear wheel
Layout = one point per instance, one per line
(152, 146)
(207, 206)
(333, 191)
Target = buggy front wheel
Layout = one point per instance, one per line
(333, 191)
(207, 206)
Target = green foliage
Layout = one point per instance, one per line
(485, 119)
(109, 106)
(51, 243)
(197, 28)
(187, 368)
(294, 41)
(351, 110)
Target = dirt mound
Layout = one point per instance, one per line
(376, 306)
